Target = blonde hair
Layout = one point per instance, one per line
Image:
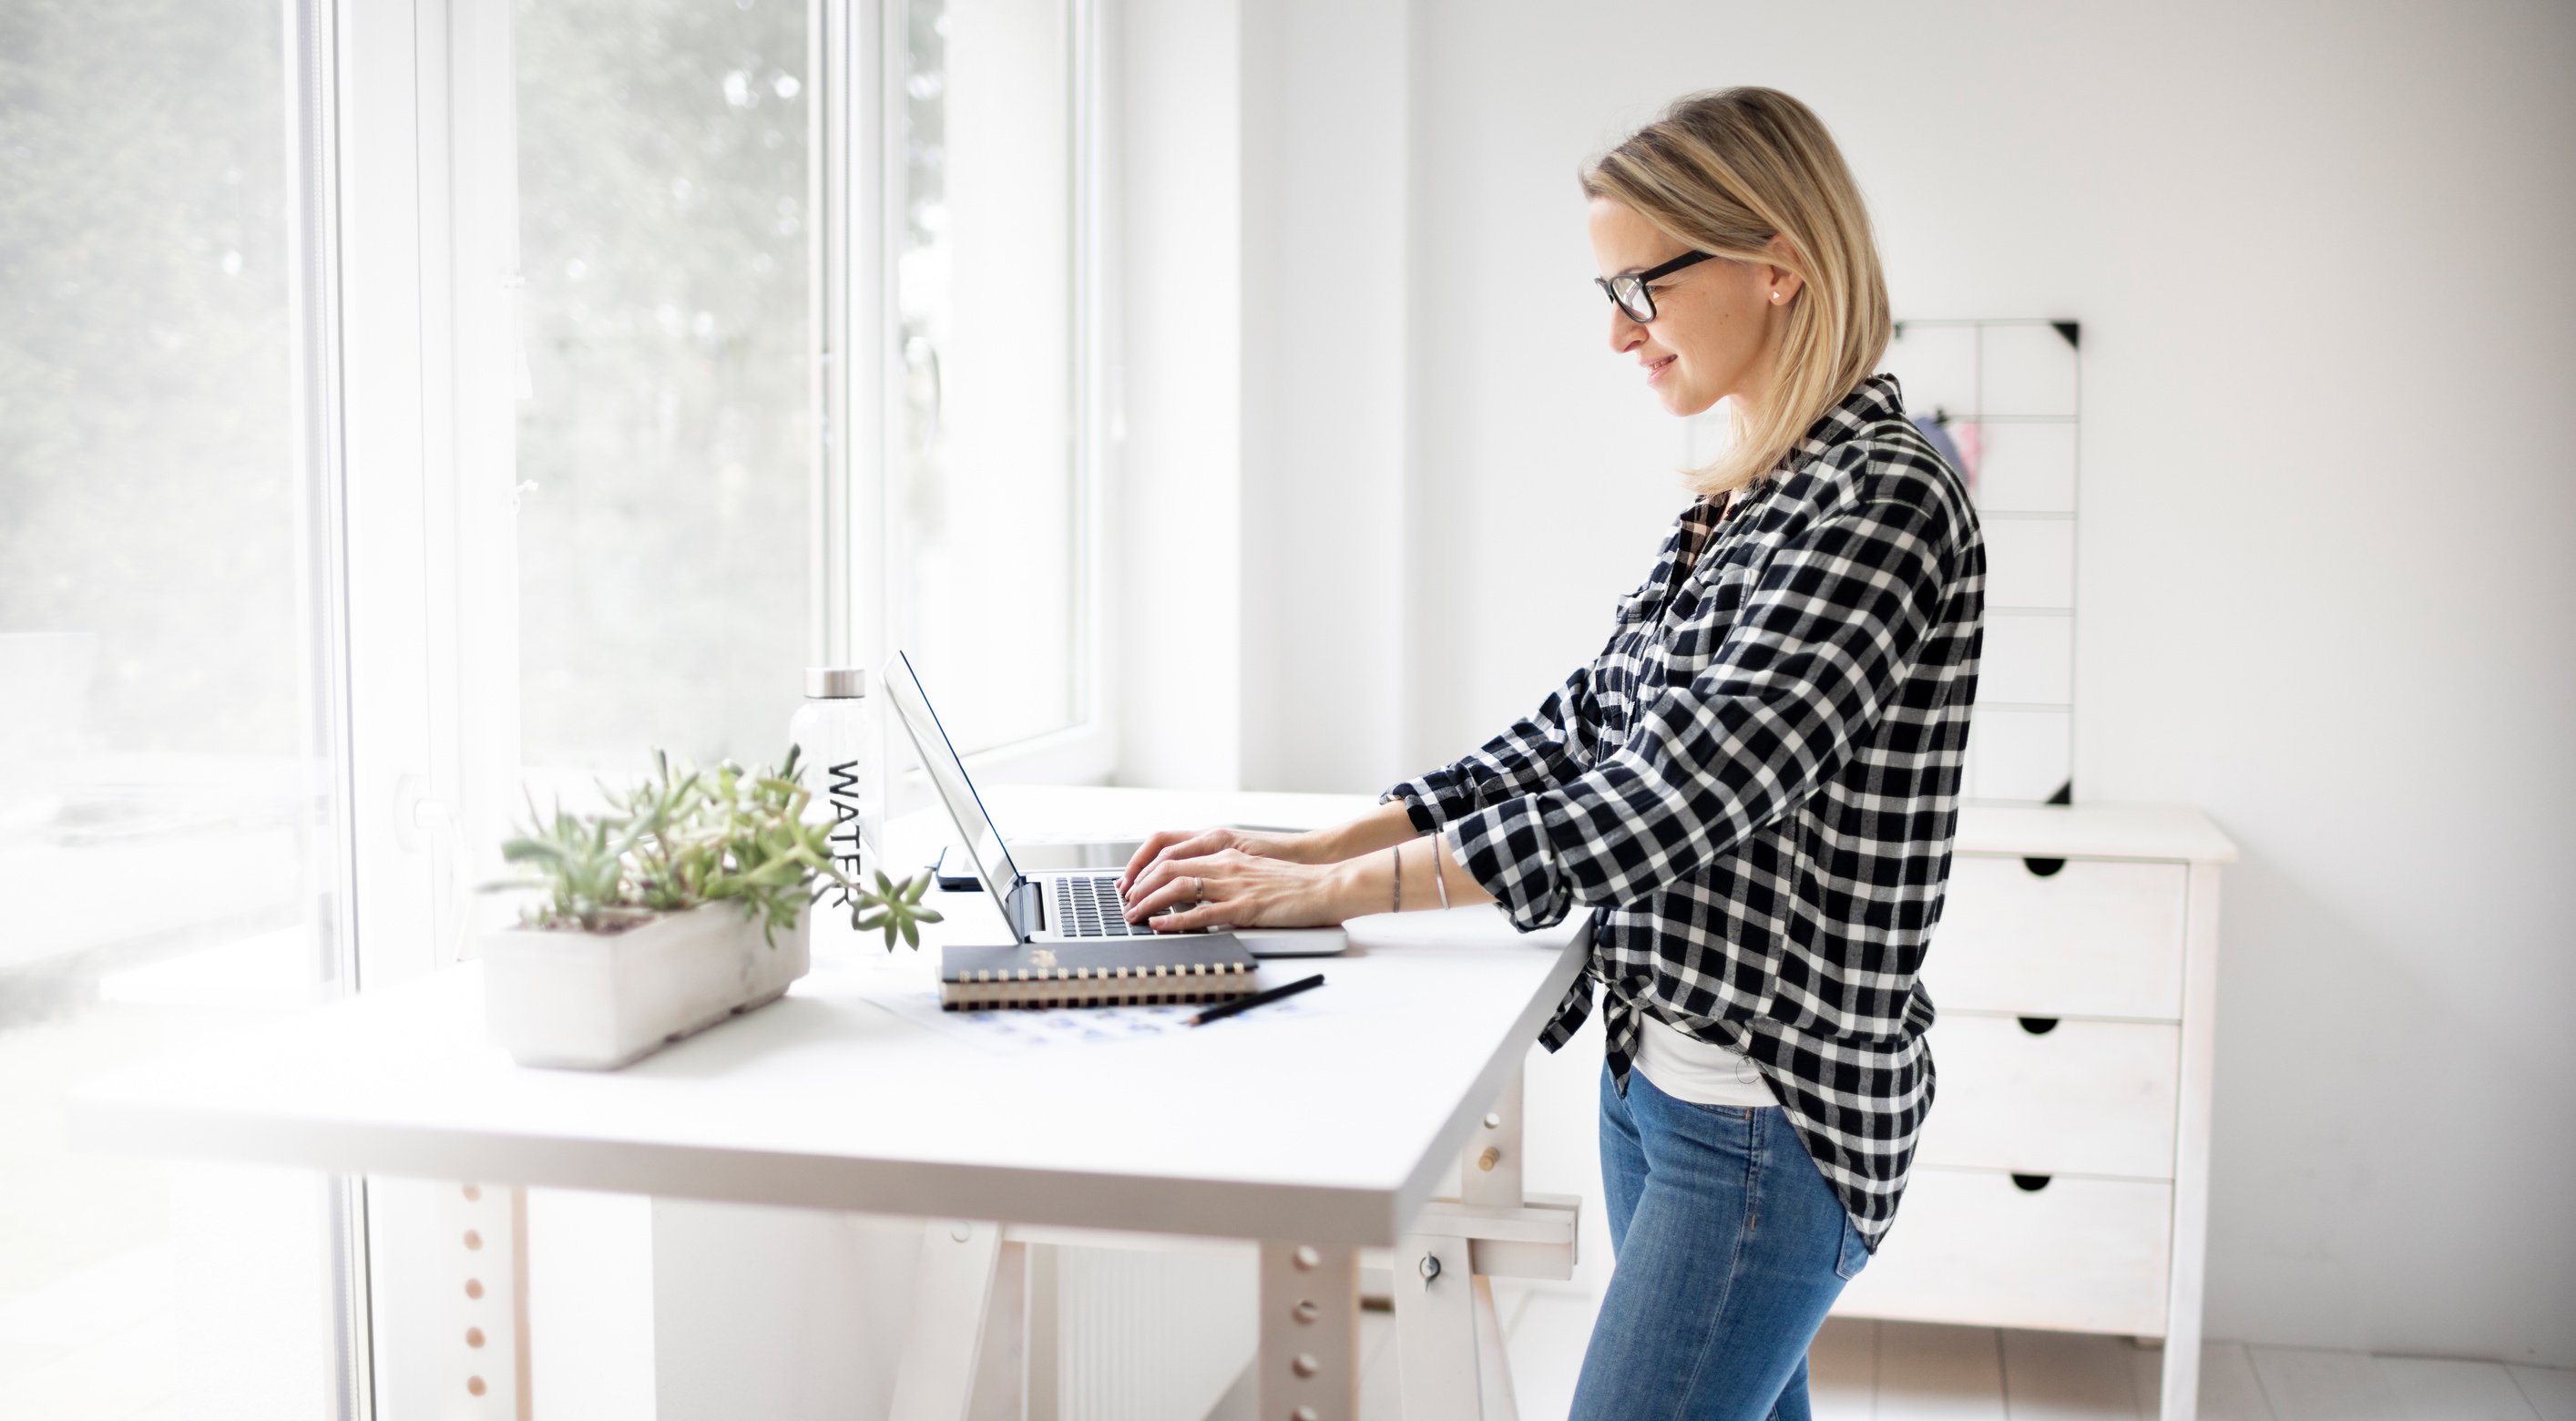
(1723, 172)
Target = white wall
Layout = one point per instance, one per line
(1259, 490)
(1175, 490)
(1326, 518)
(2322, 257)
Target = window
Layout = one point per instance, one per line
(621, 204)
(988, 506)
(671, 220)
(169, 805)
(666, 440)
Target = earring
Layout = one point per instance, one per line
(1775, 298)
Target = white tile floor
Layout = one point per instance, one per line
(1894, 1371)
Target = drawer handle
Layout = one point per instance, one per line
(2039, 1025)
(2031, 1183)
(2043, 868)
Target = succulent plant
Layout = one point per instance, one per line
(683, 837)
(895, 909)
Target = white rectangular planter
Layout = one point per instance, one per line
(597, 1001)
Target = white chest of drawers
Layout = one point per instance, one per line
(2063, 1178)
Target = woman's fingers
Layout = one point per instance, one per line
(1210, 914)
(1199, 901)
(1241, 890)
(1160, 869)
(1167, 887)
(1145, 854)
(1165, 844)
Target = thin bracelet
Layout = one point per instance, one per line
(1439, 877)
(1398, 860)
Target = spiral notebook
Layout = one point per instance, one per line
(1156, 971)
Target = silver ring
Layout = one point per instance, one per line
(1198, 890)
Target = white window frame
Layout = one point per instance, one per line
(857, 278)
(415, 420)
(310, 37)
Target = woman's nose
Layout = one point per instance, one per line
(1625, 332)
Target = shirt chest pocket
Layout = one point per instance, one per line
(1632, 659)
(1701, 615)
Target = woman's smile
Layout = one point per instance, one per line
(1655, 368)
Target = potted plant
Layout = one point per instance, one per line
(680, 904)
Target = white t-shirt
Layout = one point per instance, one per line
(1687, 1068)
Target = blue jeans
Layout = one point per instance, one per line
(1730, 1246)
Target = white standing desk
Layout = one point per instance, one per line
(1316, 1134)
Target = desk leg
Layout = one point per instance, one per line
(1310, 1333)
(1448, 1337)
(1435, 1329)
(1493, 1365)
(943, 1342)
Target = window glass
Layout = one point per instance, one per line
(167, 868)
(987, 518)
(665, 441)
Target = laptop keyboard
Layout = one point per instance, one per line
(1091, 907)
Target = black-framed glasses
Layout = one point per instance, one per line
(1628, 291)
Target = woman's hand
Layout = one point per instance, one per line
(1230, 888)
(1199, 843)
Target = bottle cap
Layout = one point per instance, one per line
(835, 683)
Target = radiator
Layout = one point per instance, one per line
(1149, 1336)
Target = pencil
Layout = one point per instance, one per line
(1256, 999)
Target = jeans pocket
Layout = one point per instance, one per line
(1855, 1254)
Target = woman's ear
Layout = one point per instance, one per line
(1784, 282)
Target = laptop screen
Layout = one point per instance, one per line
(948, 776)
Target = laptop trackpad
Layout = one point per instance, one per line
(1292, 942)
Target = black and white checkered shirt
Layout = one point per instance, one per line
(1755, 785)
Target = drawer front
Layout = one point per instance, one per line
(2096, 938)
(1971, 1247)
(2085, 1097)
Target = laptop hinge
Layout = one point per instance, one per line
(1027, 911)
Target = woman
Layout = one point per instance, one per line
(1754, 785)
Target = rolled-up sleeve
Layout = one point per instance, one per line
(1544, 748)
(1826, 635)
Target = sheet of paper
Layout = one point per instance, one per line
(913, 996)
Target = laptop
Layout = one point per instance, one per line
(1066, 905)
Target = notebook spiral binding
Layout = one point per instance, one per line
(1041, 988)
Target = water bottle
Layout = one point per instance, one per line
(843, 760)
